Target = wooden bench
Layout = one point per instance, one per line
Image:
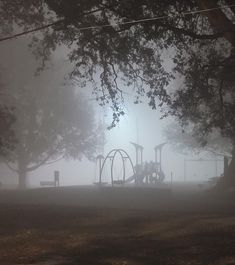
(100, 183)
(48, 183)
(53, 183)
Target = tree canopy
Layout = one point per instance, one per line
(147, 45)
(7, 119)
(187, 141)
(106, 42)
(7, 137)
(50, 123)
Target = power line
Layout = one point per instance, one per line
(153, 18)
(113, 24)
(32, 30)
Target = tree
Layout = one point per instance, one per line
(7, 137)
(7, 118)
(51, 123)
(199, 34)
(187, 140)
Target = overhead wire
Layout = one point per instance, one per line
(138, 21)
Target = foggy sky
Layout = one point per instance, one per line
(139, 124)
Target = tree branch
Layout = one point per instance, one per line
(194, 35)
(231, 3)
(221, 101)
(32, 168)
(219, 20)
(225, 30)
(60, 21)
(218, 153)
(10, 167)
(54, 161)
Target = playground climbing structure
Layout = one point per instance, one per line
(142, 173)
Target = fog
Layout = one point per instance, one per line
(156, 188)
(140, 124)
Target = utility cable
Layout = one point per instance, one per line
(112, 24)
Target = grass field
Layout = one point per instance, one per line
(184, 230)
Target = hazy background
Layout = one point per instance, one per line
(140, 124)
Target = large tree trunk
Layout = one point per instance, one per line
(228, 181)
(22, 174)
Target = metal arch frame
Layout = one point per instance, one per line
(112, 156)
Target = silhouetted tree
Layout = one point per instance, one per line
(7, 137)
(200, 44)
(7, 119)
(185, 140)
(51, 123)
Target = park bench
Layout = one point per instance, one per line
(53, 183)
(214, 180)
(48, 183)
(100, 183)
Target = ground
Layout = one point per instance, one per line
(183, 230)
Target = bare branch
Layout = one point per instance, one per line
(54, 161)
(9, 166)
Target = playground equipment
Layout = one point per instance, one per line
(142, 173)
(148, 172)
(111, 156)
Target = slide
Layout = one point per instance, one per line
(130, 179)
